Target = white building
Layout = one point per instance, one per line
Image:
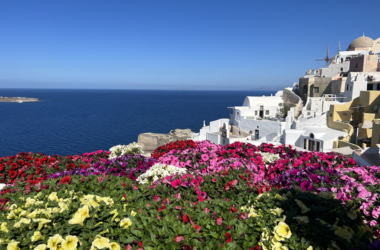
(360, 81)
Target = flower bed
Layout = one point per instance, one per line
(198, 195)
(36, 167)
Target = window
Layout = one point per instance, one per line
(378, 86)
(356, 65)
(341, 69)
(237, 113)
(256, 112)
(370, 86)
(316, 89)
(330, 114)
(311, 135)
(266, 112)
(347, 86)
(308, 113)
(351, 88)
(261, 107)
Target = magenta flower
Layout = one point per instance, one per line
(204, 157)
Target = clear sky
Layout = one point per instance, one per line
(173, 44)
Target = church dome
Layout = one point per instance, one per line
(361, 43)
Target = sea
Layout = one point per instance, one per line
(68, 121)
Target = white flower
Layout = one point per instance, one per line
(130, 149)
(159, 171)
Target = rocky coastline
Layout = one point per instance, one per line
(18, 99)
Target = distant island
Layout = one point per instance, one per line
(18, 99)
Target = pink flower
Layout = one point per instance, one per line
(373, 223)
(376, 212)
(156, 198)
(175, 183)
(219, 221)
(204, 157)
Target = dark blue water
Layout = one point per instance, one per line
(70, 122)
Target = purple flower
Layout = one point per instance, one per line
(304, 185)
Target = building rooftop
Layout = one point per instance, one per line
(360, 43)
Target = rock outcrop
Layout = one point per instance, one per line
(150, 141)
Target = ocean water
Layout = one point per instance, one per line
(70, 122)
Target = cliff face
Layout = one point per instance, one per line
(150, 141)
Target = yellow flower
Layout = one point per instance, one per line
(13, 246)
(13, 206)
(53, 196)
(114, 246)
(303, 219)
(11, 215)
(54, 241)
(344, 232)
(277, 196)
(333, 243)
(265, 235)
(40, 247)
(310, 248)
(70, 243)
(29, 201)
(275, 244)
(278, 211)
(125, 223)
(37, 236)
(304, 209)
(327, 195)
(80, 215)
(115, 214)
(41, 222)
(22, 220)
(352, 215)
(101, 242)
(133, 213)
(281, 219)
(283, 230)
(4, 227)
(89, 200)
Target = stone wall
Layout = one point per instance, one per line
(150, 141)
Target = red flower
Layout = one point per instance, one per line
(233, 210)
(66, 180)
(179, 238)
(1, 167)
(228, 237)
(197, 228)
(219, 221)
(257, 247)
(129, 247)
(140, 244)
(12, 174)
(160, 209)
(123, 184)
(229, 227)
(243, 216)
(206, 210)
(186, 218)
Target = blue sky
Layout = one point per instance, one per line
(173, 44)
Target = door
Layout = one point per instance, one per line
(257, 134)
(318, 145)
(262, 111)
(311, 145)
(305, 143)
